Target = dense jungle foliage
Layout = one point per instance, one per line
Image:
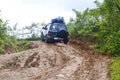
(101, 23)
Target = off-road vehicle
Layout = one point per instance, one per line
(55, 31)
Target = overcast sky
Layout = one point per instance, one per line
(24, 12)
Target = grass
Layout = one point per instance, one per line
(17, 45)
(115, 68)
(22, 45)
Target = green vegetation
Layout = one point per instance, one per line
(10, 43)
(5, 39)
(22, 45)
(115, 69)
(102, 25)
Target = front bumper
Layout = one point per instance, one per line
(57, 38)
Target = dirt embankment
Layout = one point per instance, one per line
(54, 62)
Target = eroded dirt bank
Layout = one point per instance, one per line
(54, 62)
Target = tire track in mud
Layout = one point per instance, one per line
(54, 62)
(71, 66)
(66, 69)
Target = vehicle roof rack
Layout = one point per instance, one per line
(58, 20)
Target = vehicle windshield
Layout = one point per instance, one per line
(58, 27)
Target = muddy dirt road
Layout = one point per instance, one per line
(54, 62)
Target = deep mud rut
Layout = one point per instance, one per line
(54, 62)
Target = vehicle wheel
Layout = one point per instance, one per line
(46, 40)
(65, 41)
(42, 37)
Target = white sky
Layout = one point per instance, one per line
(24, 12)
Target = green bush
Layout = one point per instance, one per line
(115, 69)
(5, 39)
(101, 23)
(22, 45)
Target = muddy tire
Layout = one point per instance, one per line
(65, 41)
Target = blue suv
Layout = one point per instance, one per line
(55, 31)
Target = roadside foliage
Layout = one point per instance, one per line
(101, 23)
(5, 40)
(9, 44)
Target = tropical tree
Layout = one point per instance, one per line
(102, 23)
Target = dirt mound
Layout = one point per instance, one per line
(54, 62)
(8, 49)
(33, 45)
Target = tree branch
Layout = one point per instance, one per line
(118, 6)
